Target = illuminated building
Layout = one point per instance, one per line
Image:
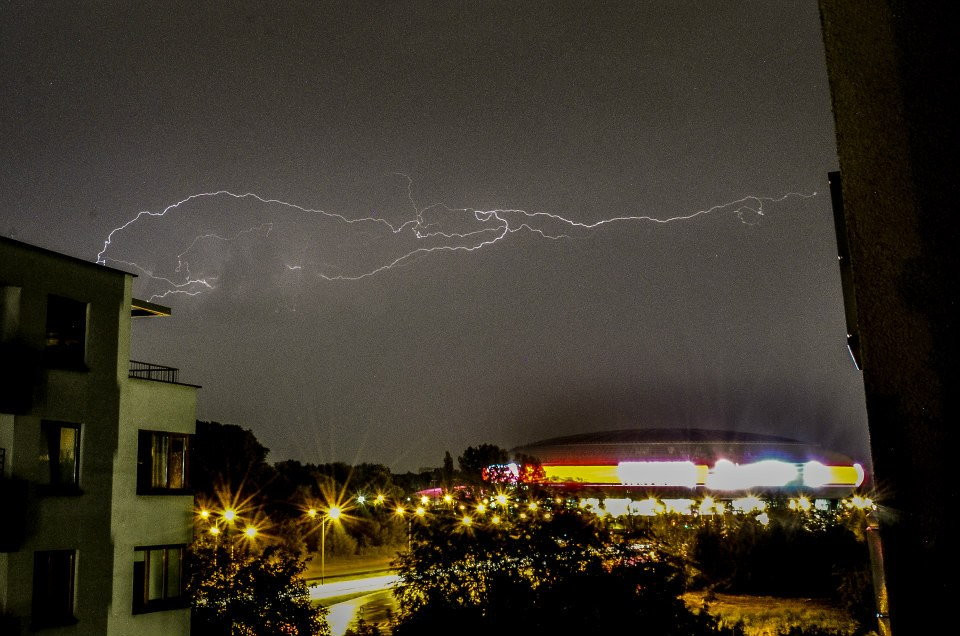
(94, 456)
(637, 463)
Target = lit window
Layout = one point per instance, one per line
(66, 333)
(60, 455)
(53, 588)
(163, 462)
(158, 578)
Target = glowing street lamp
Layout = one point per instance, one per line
(229, 515)
(333, 513)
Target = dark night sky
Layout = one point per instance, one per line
(584, 110)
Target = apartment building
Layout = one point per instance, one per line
(94, 456)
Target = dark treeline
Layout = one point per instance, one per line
(229, 466)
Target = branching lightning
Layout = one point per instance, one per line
(423, 234)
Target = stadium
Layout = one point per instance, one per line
(687, 462)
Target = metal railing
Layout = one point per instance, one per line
(155, 372)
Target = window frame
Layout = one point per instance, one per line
(141, 604)
(54, 483)
(146, 464)
(72, 357)
(47, 615)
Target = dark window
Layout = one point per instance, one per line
(164, 460)
(66, 333)
(60, 455)
(158, 578)
(53, 587)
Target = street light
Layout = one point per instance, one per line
(333, 512)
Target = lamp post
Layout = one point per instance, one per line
(334, 513)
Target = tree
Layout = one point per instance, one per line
(476, 458)
(229, 458)
(557, 572)
(446, 475)
(251, 593)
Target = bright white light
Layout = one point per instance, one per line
(682, 474)
(763, 518)
(861, 503)
(749, 504)
(860, 474)
(706, 506)
(616, 507)
(678, 506)
(769, 473)
(590, 502)
(816, 475)
(646, 507)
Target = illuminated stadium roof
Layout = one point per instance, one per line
(711, 460)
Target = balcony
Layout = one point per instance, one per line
(155, 372)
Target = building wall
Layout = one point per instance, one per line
(140, 520)
(892, 72)
(106, 518)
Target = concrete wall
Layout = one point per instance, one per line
(140, 520)
(893, 77)
(106, 519)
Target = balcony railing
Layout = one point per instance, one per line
(155, 372)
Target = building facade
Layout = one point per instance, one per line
(94, 456)
(690, 462)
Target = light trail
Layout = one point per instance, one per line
(354, 586)
(423, 234)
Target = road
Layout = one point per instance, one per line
(355, 590)
(376, 607)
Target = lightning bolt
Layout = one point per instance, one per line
(429, 235)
